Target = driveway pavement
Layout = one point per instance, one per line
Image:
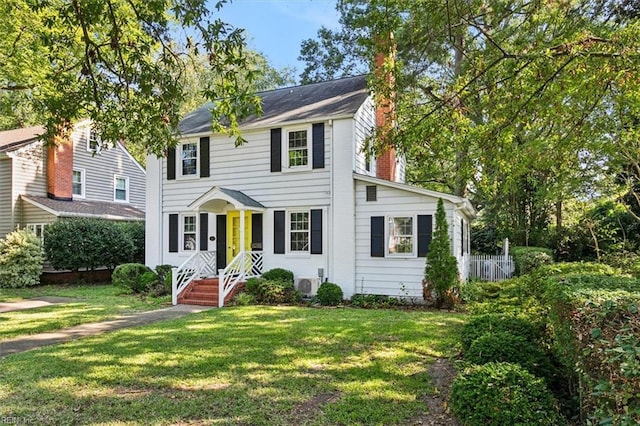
(24, 343)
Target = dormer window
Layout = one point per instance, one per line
(94, 142)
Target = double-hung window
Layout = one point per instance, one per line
(77, 183)
(188, 233)
(400, 231)
(189, 159)
(299, 232)
(38, 229)
(121, 189)
(94, 142)
(298, 149)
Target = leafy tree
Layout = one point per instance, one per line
(520, 104)
(121, 63)
(441, 272)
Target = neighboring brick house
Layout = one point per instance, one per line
(40, 184)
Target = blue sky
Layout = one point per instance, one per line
(277, 27)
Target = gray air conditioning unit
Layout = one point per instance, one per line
(308, 286)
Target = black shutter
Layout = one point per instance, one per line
(372, 193)
(221, 241)
(278, 231)
(204, 157)
(316, 231)
(425, 229)
(318, 146)
(204, 231)
(377, 236)
(276, 150)
(256, 231)
(171, 164)
(173, 233)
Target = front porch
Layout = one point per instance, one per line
(212, 277)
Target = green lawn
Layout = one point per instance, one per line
(239, 365)
(90, 303)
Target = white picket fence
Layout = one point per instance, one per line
(490, 267)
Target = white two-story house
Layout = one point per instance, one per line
(80, 177)
(300, 194)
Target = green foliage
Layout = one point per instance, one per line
(478, 291)
(504, 346)
(596, 321)
(278, 274)
(502, 394)
(244, 299)
(133, 276)
(87, 243)
(495, 323)
(374, 301)
(122, 64)
(628, 262)
(20, 259)
(329, 294)
(485, 239)
(529, 258)
(272, 291)
(136, 231)
(441, 272)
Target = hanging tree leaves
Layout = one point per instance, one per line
(121, 63)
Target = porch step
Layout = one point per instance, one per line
(204, 292)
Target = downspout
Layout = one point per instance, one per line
(330, 252)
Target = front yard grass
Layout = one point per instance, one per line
(252, 365)
(90, 303)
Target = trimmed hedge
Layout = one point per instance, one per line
(502, 394)
(79, 243)
(596, 323)
(20, 259)
(278, 274)
(493, 323)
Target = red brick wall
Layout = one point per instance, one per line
(386, 161)
(60, 169)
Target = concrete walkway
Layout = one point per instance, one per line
(24, 343)
(36, 302)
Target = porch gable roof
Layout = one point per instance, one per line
(238, 199)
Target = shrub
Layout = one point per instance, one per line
(20, 259)
(272, 291)
(244, 299)
(482, 324)
(133, 276)
(74, 244)
(329, 294)
(503, 346)
(502, 394)
(278, 274)
(374, 301)
(527, 259)
(441, 272)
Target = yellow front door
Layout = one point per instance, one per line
(233, 233)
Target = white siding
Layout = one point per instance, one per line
(364, 124)
(153, 217)
(6, 199)
(101, 168)
(32, 214)
(387, 275)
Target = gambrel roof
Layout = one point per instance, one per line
(326, 100)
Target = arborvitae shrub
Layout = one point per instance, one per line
(20, 259)
(329, 294)
(502, 394)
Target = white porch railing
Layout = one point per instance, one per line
(199, 264)
(491, 267)
(246, 264)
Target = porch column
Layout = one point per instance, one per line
(242, 231)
